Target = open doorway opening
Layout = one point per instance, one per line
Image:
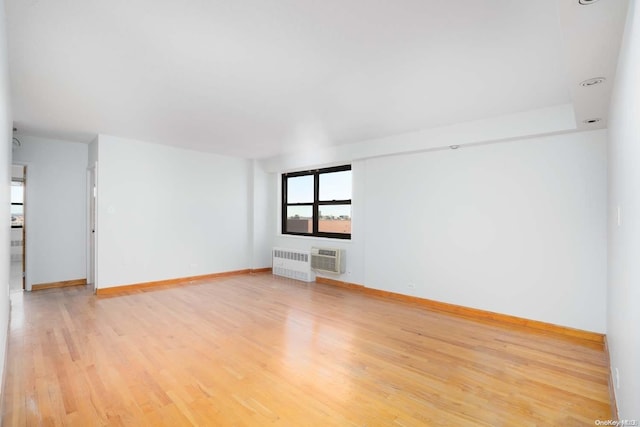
(17, 271)
(92, 193)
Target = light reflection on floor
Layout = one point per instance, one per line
(307, 344)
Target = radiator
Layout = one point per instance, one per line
(293, 263)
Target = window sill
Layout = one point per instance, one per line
(316, 238)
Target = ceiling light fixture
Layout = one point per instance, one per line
(454, 147)
(592, 82)
(586, 2)
(16, 142)
(591, 121)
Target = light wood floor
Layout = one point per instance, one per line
(258, 350)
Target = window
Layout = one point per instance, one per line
(317, 202)
(17, 204)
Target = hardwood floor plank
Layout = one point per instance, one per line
(261, 350)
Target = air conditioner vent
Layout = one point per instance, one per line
(327, 260)
(327, 252)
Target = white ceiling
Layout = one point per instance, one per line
(258, 78)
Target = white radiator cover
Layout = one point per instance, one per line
(293, 263)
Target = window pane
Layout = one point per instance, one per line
(299, 219)
(17, 192)
(335, 186)
(335, 219)
(300, 189)
(17, 215)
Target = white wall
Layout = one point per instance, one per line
(264, 216)
(517, 228)
(93, 152)
(623, 292)
(55, 208)
(166, 213)
(6, 126)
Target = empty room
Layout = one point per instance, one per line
(336, 213)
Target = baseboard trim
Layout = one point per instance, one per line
(62, 284)
(177, 281)
(469, 312)
(260, 270)
(6, 357)
(328, 281)
(612, 389)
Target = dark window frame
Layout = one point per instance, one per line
(315, 205)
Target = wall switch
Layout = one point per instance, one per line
(617, 378)
(618, 216)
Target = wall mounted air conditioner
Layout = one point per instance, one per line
(328, 260)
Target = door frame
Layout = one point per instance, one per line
(27, 248)
(92, 225)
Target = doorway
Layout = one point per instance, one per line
(92, 193)
(18, 234)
